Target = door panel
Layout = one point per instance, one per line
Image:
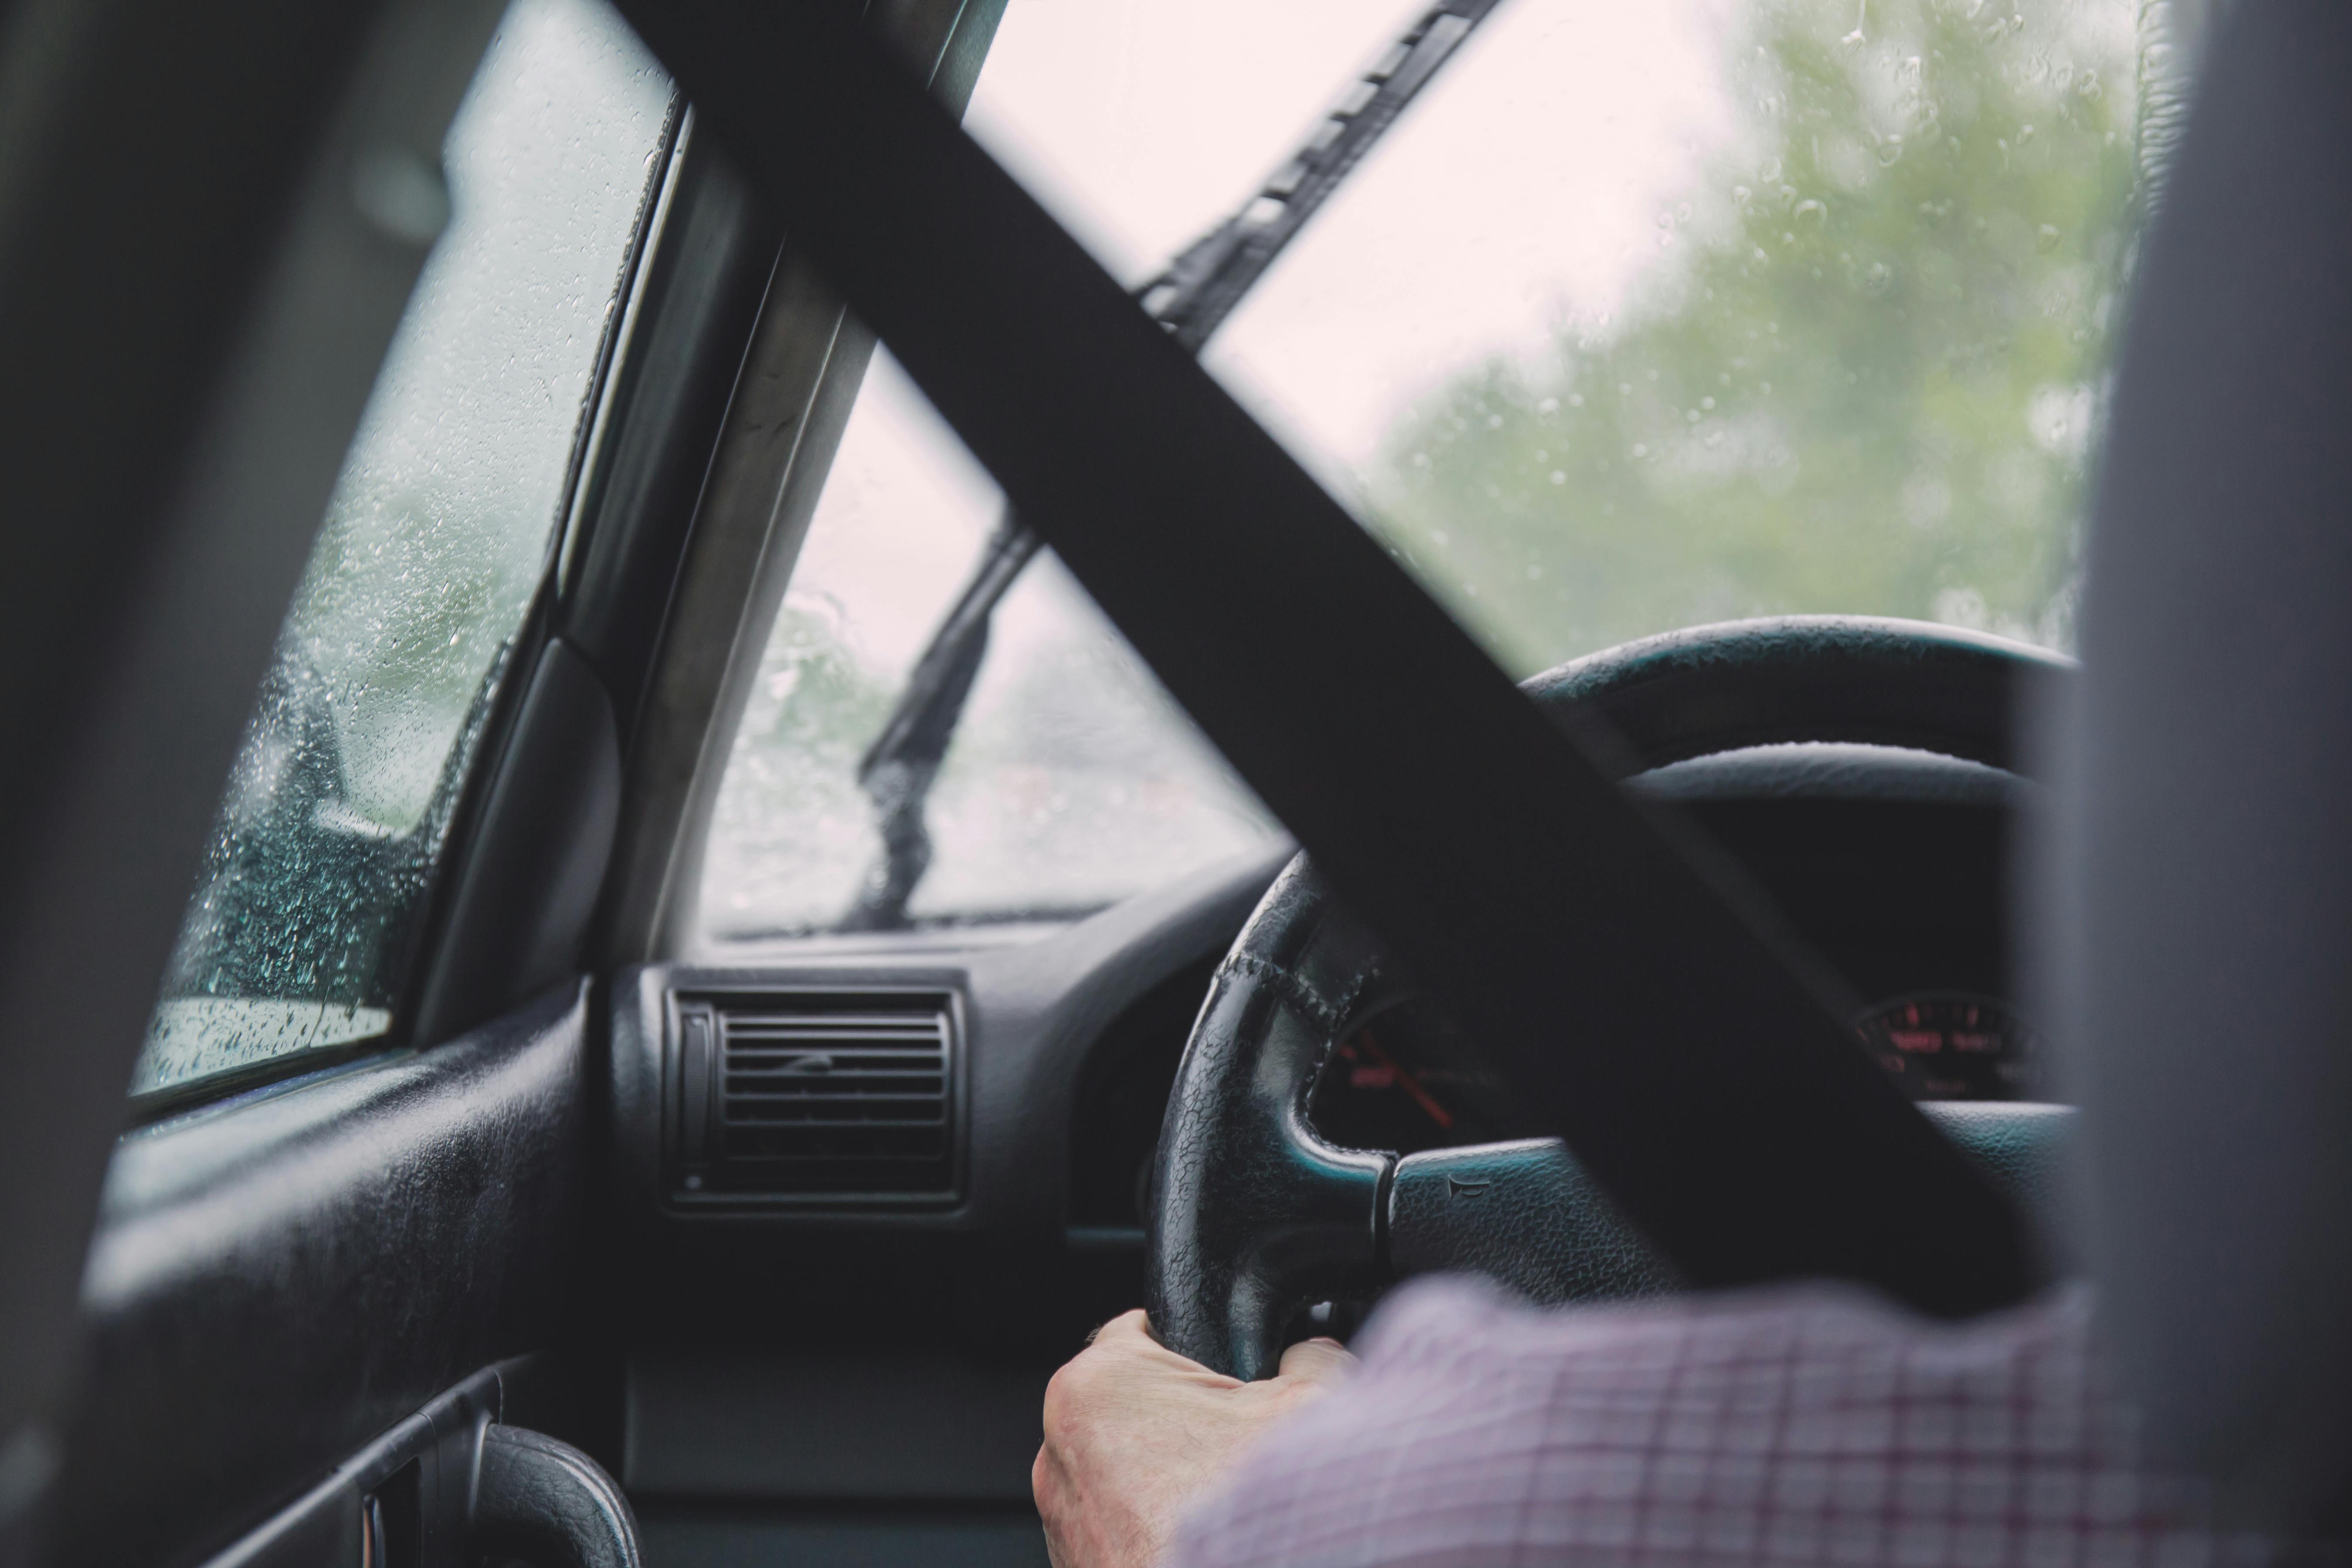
(277, 1278)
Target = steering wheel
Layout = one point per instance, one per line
(1253, 1215)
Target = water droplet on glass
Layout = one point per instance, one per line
(2047, 239)
(1890, 152)
(1812, 211)
(1741, 195)
(1707, 402)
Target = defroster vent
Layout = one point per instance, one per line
(816, 1096)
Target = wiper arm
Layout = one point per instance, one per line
(1191, 297)
(898, 768)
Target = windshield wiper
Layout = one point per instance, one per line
(1191, 297)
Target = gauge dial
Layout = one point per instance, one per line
(1404, 1079)
(1952, 1044)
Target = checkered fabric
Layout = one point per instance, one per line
(1801, 1427)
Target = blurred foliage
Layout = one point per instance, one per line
(1863, 377)
(1861, 374)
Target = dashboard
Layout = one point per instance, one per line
(973, 1114)
(1892, 866)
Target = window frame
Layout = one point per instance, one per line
(805, 361)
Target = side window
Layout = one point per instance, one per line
(305, 916)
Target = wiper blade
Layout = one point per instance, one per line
(1191, 297)
(1208, 278)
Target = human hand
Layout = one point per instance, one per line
(1135, 1432)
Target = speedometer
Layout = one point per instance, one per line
(1953, 1045)
(1405, 1078)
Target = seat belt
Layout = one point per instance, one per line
(1614, 970)
(1190, 297)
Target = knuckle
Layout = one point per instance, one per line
(1063, 1393)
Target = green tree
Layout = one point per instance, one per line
(1868, 385)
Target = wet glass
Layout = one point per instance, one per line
(1073, 781)
(1644, 316)
(1702, 310)
(305, 917)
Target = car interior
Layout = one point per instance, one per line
(724, 716)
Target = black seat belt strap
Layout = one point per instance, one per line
(1611, 979)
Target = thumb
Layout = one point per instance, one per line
(1318, 1360)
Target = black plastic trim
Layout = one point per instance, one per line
(677, 1105)
(703, 286)
(277, 1280)
(213, 1088)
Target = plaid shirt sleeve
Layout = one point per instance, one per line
(1811, 1426)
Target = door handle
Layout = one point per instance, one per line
(550, 1504)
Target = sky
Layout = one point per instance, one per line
(1562, 161)
(1524, 183)
(1523, 188)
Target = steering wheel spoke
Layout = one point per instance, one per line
(1280, 1217)
(1525, 1214)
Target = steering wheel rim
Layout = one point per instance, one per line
(1254, 1214)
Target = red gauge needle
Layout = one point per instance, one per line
(1420, 1096)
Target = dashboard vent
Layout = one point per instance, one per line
(818, 1096)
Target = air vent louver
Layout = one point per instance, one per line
(819, 1096)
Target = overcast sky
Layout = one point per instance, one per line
(1523, 188)
(1525, 183)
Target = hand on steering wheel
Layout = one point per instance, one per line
(1135, 1432)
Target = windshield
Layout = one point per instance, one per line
(1074, 780)
(1665, 314)
(1644, 316)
